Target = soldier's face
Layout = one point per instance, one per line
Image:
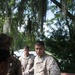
(39, 50)
(26, 51)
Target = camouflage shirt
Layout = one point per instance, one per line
(27, 64)
(45, 65)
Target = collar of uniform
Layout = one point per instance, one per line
(26, 57)
(40, 59)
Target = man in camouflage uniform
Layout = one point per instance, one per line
(27, 61)
(14, 65)
(44, 64)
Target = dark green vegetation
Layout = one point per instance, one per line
(32, 14)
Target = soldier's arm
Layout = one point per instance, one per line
(32, 69)
(52, 67)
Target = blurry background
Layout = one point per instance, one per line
(52, 21)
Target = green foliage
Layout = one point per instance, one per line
(31, 14)
(62, 45)
(61, 42)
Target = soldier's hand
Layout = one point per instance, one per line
(26, 72)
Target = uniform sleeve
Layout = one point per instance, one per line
(32, 69)
(29, 67)
(52, 67)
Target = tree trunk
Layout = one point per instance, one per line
(60, 6)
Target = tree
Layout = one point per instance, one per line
(31, 14)
(61, 42)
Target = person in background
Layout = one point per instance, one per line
(27, 61)
(44, 64)
(4, 61)
(14, 65)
